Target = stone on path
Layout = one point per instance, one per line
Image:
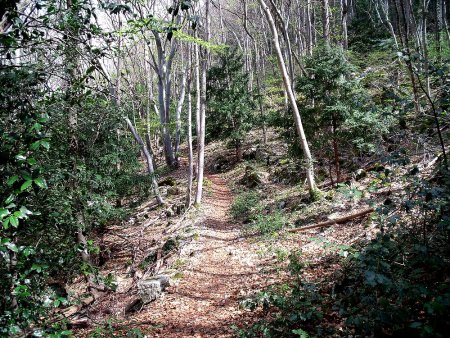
(151, 288)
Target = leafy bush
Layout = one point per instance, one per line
(298, 306)
(245, 206)
(268, 224)
(108, 329)
(395, 285)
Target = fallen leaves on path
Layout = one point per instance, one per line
(224, 269)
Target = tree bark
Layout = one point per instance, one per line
(189, 130)
(403, 30)
(334, 221)
(309, 28)
(163, 66)
(149, 159)
(179, 109)
(326, 21)
(444, 20)
(344, 16)
(336, 149)
(202, 119)
(197, 100)
(291, 96)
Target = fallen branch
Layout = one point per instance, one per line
(334, 221)
(177, 225)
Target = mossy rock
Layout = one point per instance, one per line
(173, 191)
(287, 174)
(221, 164)
(251, 178)
(315, 195)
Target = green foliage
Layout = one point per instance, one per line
(245, 206)
(396, 283)
(335, 103)
(108, 329)
(24, 131)
(268, 224)
(299, 307)
(230, 104)
(63, 167)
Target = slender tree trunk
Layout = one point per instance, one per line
(164, 67)
(326, 21)
(222, 27)
(149, 160)
(444, 20)
(437, 29)
(81, 239)
(260, 92)
(288, 50)
(179, 109)
(403, 32)
(313, 25)
(201, 139)
(197, 101)
(336, 149)
(425, 44)
(344, 16)
(309, 28)
(14, 274)
(289, 90)
(256, 58)
(189, 138)
(148, 135)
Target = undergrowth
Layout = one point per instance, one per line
(245, 206)
(268, 224)
(396, 284)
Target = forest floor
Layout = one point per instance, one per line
(223, 267)
(219, 263)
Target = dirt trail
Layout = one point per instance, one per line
(222, 269)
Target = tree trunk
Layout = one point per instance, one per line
(444, 20)
(189, 130)
(164, 67)
(179, 109)
(336, 149)
(14, 274)
(291, 96)
(344, 15)
(309, 28)
(403, 32)
(437, 29)
(149, 159)
(202, 119)
(326, 21)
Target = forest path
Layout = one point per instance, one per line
(222, 270)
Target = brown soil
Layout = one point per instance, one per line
(222, 271)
